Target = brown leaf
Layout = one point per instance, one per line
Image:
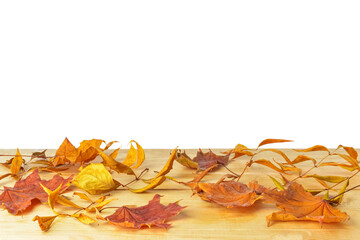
(152, 214)
(272, 140)
(229, 194)
(298, 204)
(18, 198)
(206, 160)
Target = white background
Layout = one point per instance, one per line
(179, 73)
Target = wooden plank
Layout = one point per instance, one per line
(200, 220)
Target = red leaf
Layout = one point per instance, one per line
(152, 214)
(209, 159)
(18, 198)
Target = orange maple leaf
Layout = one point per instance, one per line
(152, 214)
(18, 198)
(298, 204)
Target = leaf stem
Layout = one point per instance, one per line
(344, 192)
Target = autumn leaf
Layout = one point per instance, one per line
(298, 204)
(45, 222)
(313, 148)
(152, 214)
(83, 218)
(16, 163)
(134, 155)
(16, 199)
(115, 165)
(95, 179)
(239, 150)
(206, 160)
(87, 150)
(229, 194)
(186, 161)
(66, 153)
(272, 140)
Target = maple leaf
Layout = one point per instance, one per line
(206, 160)
(95, 179)
(152, 214)
(18, 198)
(231, 193)
(66, 153)
(298, 204)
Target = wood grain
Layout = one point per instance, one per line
(200, 220)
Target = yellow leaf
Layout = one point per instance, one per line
(95, 179)
(332, 179)
(115, 165)
(16, 163)
(114, 153)
(130, 157)
(186, 161)
(45, 222)
(84, 218)
(140, 154)
(52, 196)
(349, 159)
(66, 202)
(99, 206)
(168, 165)
(154, 183)
(82, 196)
(277, 184)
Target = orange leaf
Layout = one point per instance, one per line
(65, 154)
(351, 151)
(281, 153)
(152, 214)
(313, 148)
(16, 163)
(298, 204)
(268, 164)
(303, 158)
(349, 159)
(272, 140)
(45, 222)
(229, 194)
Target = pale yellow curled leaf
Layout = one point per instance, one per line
(66, 202)
(340, 196)
(115, 165)
(45, 222)
(95, 179)
(277, 183)
(154, 183)
(99, 205)
(16, 163)
(168, 166)
(82, 196)
(332, 179)
(131, 156)
(52, 196)
(84, 218)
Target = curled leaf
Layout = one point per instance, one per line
(313, 148)
(83, 218)
(45, 222)
(153, 184)
(272, 140)
(186, 161)
(332, 179)
(268, 164)
(115, 165)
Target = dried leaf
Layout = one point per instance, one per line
(340, 196)
(66, 202)
(335, 164)
(153, 184)
(268, 164)
(351, 151)
(109, 145)
(95, 179)
(332, 179)
(99, 205)
(130, 157)
(67, 153)
(82, 196)
(303, 158)
(313, 148)
(206, 160)
(16, 163)
(272, 140)
(18, 198)
(298, 204)
(115, 165)
(52, 196)
(352, 161)
(168, 166)
(84, 218)
(45, 222)
(186, 161)
(229, 194)
(38, 155)
(152, 214)
(281, 153)
(277, 184)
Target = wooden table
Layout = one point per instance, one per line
(200, 220)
